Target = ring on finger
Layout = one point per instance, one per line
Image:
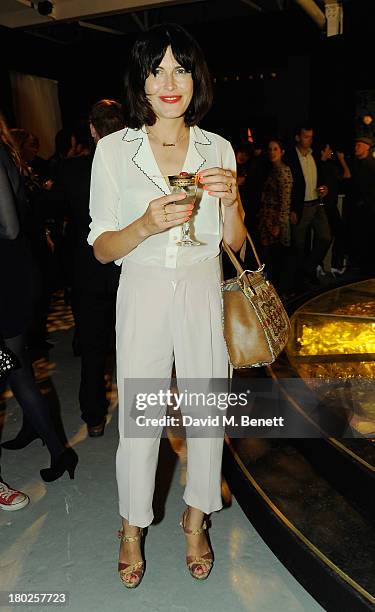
(165, 214)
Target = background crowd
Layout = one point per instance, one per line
(44, 219)
(300, 200)
(305, 200)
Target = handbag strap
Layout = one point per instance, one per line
(254, 250)
(234, 259)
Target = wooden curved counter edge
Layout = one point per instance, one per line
(324, 580)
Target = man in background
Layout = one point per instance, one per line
(363, 205)
(307, 209)
(94, 285)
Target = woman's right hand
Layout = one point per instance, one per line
(163, 213)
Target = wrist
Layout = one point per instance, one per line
(143, 229)
(233, 205)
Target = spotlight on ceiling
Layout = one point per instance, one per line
(45, 7)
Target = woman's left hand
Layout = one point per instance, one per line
(219, 183)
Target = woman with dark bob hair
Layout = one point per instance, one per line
(169, 299)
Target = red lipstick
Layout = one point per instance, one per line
(170, 99)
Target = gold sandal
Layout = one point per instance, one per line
(193, 562)
(127, 569)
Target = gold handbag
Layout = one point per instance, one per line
(255, 324)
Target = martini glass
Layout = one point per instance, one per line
(189, 184)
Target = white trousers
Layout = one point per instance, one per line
(165, 314)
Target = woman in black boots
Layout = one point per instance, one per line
(19, 280)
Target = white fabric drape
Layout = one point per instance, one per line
(37, 109)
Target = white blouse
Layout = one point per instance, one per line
(125, 178)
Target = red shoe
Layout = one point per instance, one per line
(10, 499)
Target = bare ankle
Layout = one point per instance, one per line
(129, 529)
(194, 517)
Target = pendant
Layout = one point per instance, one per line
(166, 144)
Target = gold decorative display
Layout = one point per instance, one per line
(332, 348)
(321, 337)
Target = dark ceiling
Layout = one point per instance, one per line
(127, 23)
(249, 53)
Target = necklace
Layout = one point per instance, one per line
(168, 144)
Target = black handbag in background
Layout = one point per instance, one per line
(8, 361)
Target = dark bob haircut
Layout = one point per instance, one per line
(146, 55)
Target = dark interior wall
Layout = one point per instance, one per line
(6, 104)
(84, 74)
(92, 71)
(89, 74)
(295, 108)
(268, 48)
(22, 52)
(258, 48)
(333, 93)
(341, 66)
(316, 77)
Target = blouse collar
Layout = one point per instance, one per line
(144, 158)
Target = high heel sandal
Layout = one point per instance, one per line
(192, 561)
(128, 569)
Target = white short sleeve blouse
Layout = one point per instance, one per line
(125, 178)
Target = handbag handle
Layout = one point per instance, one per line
(234, 259)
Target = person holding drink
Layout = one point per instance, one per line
(169, 299)
(307, 209)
